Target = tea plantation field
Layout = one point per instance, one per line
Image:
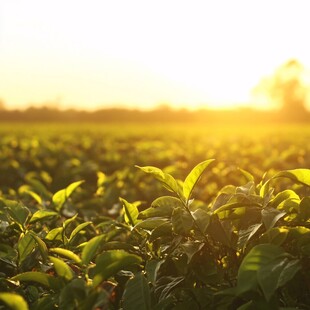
(154, 216)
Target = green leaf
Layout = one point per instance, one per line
(248, 176)
(231, 206)
(298, 175)
(304, 208)
(110, 262)
(151, 268)
(137, 294)
(190, 248)
(270, 216)
(246, 234)
(42, 215)
(91, 248)
(182, 221)
(202, 219)
(283, 196)
(68, 221)
(162, 230)
(39, 277)
(18, 212)
(193, 177)
(168, 180)
(259, 256)
(26, 189)
(42, 246)
(265, 189)
(152, 223)
(267, 266)
(289, 271)
(276, 235)
(67, 254)
(131, 212)
(13, 301)
(55, 234)
(25, 246)
(60, 198)
(77, 229)
(276, 274)
(62, 269)
(161, 207)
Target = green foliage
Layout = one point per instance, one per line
(212, 237)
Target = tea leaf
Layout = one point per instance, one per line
(60, 198)
(270, 217)
(18, 212)
(110, 262)
(77, 229)
(39, 277)
(131, 212)
(168, 180)
(137, 293)
(42, 246)
(298, 175)
(42, 215)
(14, 301)
(67, 254)
(182, 221)
(62, 269)
(193, 177)
(25, 246)
(91, 248)
(202, 219)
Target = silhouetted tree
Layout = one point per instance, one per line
(286, 88)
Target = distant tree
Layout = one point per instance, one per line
(286, 88)
(2, 105)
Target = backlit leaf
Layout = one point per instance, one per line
(131, 212)
(298, 175)
(60, 198)
(39, 277)
(161, 207)
(42, 215)
(67, 254)
(193, 177)
(14, 301)
(55, 234)
(168, 180)
(91, 248)
(276, 235)
(62, 269)
(77, 229)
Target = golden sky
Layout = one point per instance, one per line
(139, 53)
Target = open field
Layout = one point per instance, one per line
(83, 227)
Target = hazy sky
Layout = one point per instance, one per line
(94, 53)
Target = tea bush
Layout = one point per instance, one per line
(87, 223)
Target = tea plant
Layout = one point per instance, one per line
(247, 249)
